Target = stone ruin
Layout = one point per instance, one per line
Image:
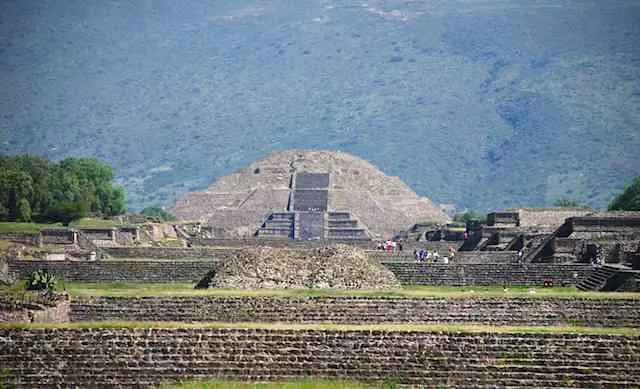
(303, 194)
(333, 267)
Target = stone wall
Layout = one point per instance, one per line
(33, 312)
(358, 310)
(488, 274)
(30, 239)
(411, 273)
(164, 252)
(548, 217)
(117, 271)
(276, 242)
(51, 358)
(461, 257)
(58, 236)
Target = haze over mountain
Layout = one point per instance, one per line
(486, 104)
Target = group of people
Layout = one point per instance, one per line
(424, 255)
(390, 246)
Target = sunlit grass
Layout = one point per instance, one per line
(9, 227)
(187, 289)
(91, 222)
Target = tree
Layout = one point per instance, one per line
(158, 212)
(628, 199)
(24, 211)
(67, 211)
(74, 186)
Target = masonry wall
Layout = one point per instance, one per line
(407, 272)
(360, 310)
(461, 257)
(117, 271)
(51, 358)
(545, 217)
(488, 274)
(164, 252)
(36, 313)
(30, 239)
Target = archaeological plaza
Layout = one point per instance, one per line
(315, 265)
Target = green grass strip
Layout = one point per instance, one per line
(182, 289)
(14, 227)
(445, 328)
(298, 384)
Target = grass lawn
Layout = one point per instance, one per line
(177, 289)
(465, 328)
(301, 384)
(9, 227)
(90, 222)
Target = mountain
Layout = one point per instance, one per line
(486, 104)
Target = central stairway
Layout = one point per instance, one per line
(308, 216)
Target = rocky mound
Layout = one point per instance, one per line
(335, 267)
(236, 205)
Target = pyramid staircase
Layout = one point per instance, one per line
(340, 225)
(278, 225)
(607, 278)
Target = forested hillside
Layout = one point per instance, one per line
(486, 104)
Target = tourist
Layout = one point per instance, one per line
(436, 256)
(393, 247)
(465, 236)
(520, 255)
(445, 260)
(400, 246)
(452, 252)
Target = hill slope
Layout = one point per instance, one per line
(487, 104)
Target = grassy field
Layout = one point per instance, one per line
(466, 328)
(8, 227)
(90, 222)
(301, 384)
(177, 289)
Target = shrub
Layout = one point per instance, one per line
(41, 280)
(629, 199)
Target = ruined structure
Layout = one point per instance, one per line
(305, 194)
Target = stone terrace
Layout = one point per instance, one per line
(359, 310)
(52, 358)
(409, 273)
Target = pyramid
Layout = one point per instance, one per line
(291, 185)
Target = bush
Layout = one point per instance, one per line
(41, 280)
(629, 199)
(158, 213)
(467, 216)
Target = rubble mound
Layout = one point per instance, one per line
(334, 267)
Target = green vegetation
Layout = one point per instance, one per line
(569, 203)
(34, 189)
(41, 280)
(629, 199)
(158, 213)
(93, 222)
(15, 227)
(298, 384)
(467, 216)
(630, 331)
(183, 289)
